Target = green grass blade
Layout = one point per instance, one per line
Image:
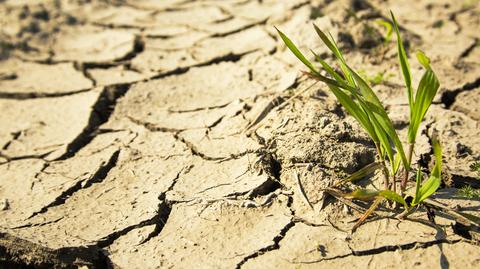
(332, 46)
(291, 46)
(396, 163)
(388, 27)
(437, 151)
(428, 188)
(363, 172)
(327, 41)
(433, 182)
(427, 89)
(330, 70)
(423, 59)
(362, 194)
(402, 56)
(329, 81)
(373, 104)
(393, 196)
(382, 137)
(355, 110)
(418, 181)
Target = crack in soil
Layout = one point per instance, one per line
(154, 128)
(24, 157)
(276, 245)
(36, 95)
(160, 219)
(82, 69)
(101, 112)
(382, 249)
(176, 135)
(468, 50)
(98, 177)
(193, 149)
(448, 97)
(15, 136)
(164, 212)
(19, 253)
(246, 27)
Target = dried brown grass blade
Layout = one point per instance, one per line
(367, 213)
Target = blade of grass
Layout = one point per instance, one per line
(433, 182)
(363, 172)
(423, 59)
(291, 46)
(336, 51)
(373, 104)
(418, 182)
(362, 194)
(328, 81)
(388, 27)
(393, 196)
(396, 163)
(356, 111)
(372, 208)
(426, 91)
(331, 71)
(402, 56)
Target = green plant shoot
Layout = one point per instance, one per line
(361, 102)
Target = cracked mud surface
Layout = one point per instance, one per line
(169, 134)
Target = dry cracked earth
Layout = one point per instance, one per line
(182, 134)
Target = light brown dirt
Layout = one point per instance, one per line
(170, 134)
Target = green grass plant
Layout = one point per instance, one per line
(469, 192)
(360, 101)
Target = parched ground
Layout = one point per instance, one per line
(180, 134)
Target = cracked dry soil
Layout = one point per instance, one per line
(169, 134)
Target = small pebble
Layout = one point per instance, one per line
(4, 205)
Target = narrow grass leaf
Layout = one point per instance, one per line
(363, 172)
(418, 182)
(331, 71)
(433, 182)
(291, 46)
(423, 59)
(393, 196)
(332, 46)
(396, 163)
(373, 104)
(367, 213)
(402, 56)
(437, 151)
(426, 91)
(362, 194)
(355, 110)
(382, 137)
(388, 27)
(328, 81)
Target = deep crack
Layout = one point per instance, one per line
(19, 253)
(35, 95)
(160, 219)
(274, 246)
(98, 177)
(448, 97)
(383, 249)
(100, 114)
